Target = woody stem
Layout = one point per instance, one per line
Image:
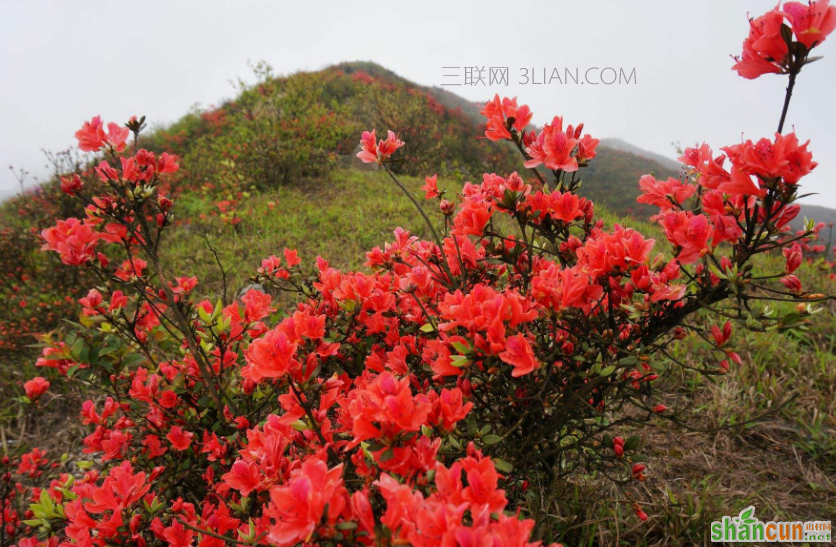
(417, 206)
(787, 98)
(438, 240)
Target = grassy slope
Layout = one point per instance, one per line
(340, 219)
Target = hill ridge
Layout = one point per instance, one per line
(363, 95)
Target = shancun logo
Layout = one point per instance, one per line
(746, 528)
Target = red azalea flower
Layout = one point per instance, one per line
(299, 507)
(812, 22)
(180, 440)
(36, 387)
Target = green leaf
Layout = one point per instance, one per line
(786, 34)
(76, 348)
(488, 440)
(203, 314)
(472, 428)
(45, 499)
(657, 365)
(461, 347)
(427, 328)
(632, 443)
(84, 355)
(502, 465)
(606, 371)
(459, 361)
(132, 359)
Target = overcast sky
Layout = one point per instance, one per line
(63, 62)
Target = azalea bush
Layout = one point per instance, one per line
(27, 312)
(439, 397)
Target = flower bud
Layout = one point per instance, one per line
(248, 386)
(638, 472)
(155, 473)
(639, 513)
(71, 186)
(446, 207)
(794, 256)
(136, 520)
(618, 446)
(792, 283)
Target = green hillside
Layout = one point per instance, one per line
(442, 132)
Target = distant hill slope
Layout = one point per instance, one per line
(446, 98)
(624, 146)
(817, 213)
(443, 132)
(611, 179)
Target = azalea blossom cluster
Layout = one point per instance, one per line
(374, 151)
(437, 398)
(761, 179)
(780, 40)
(556, 148)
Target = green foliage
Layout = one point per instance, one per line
(285, 129)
